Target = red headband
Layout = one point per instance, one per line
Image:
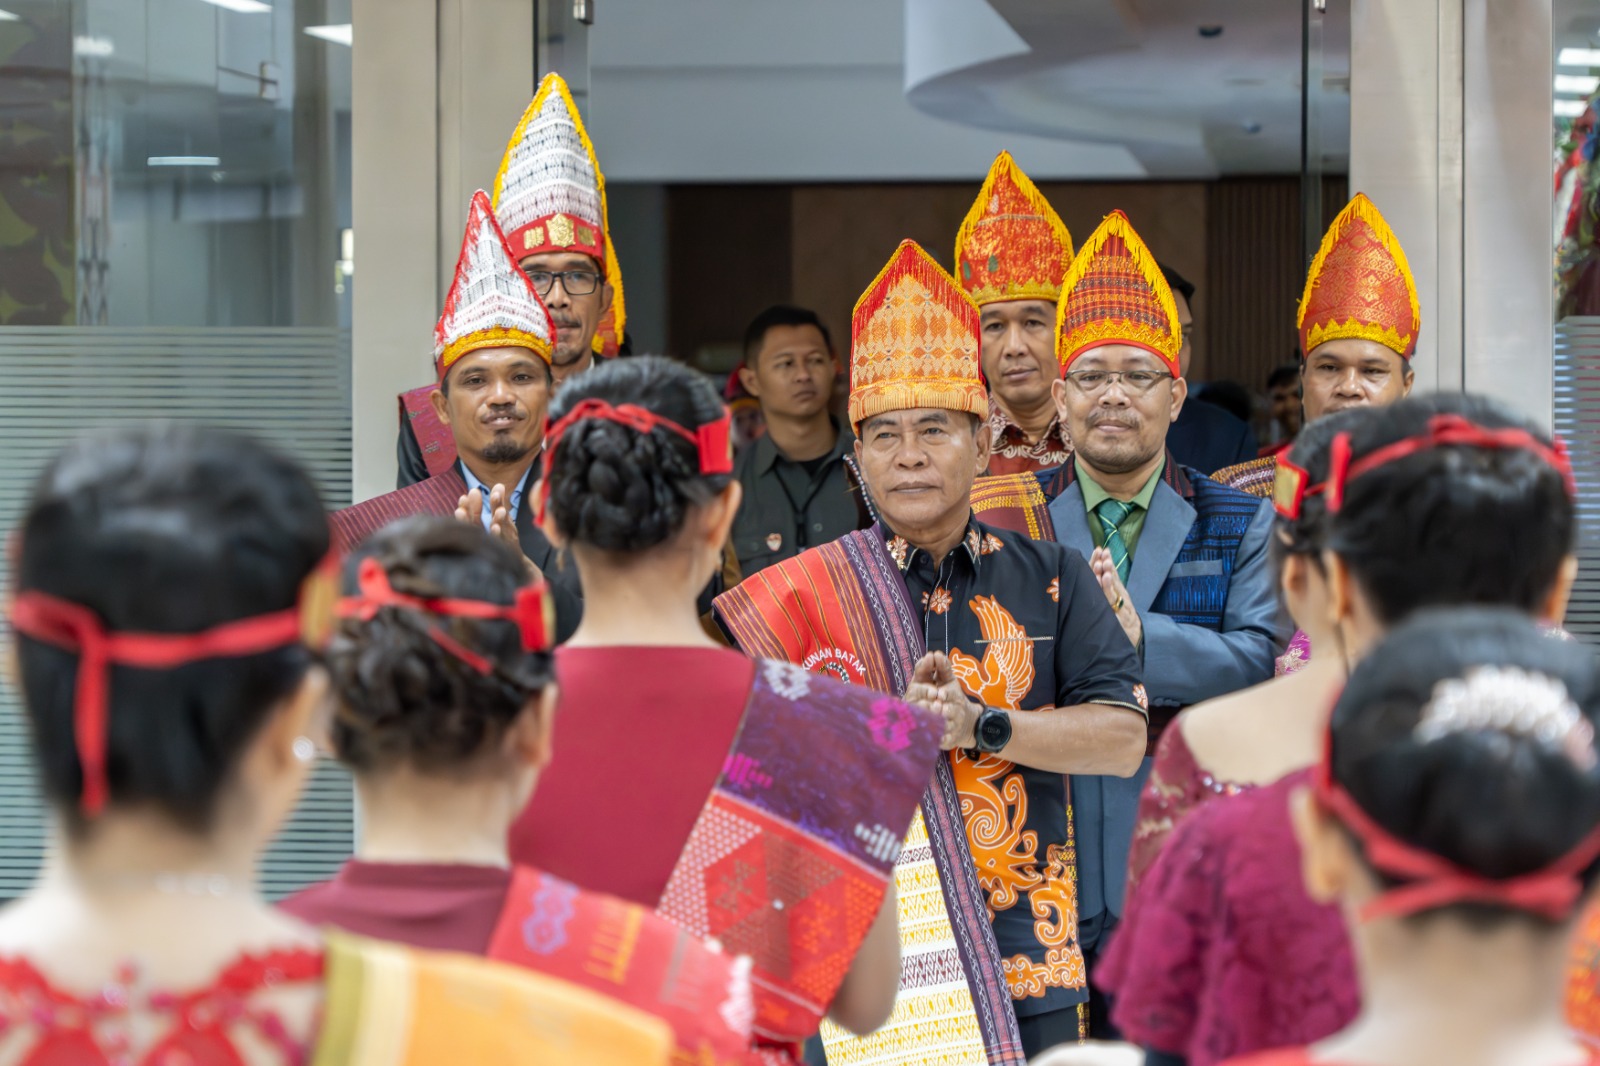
(1432, 882)
(713, 441)
(1443, 431)
(530, 611)
(76, 628)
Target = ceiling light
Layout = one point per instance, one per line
(7, 16)
(337, 34)
(1570, 108)
(1582, 84)
(94, 47)
(244, 7)
(1578, 57)
(182, 161)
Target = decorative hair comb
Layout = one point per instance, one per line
(1507, 699)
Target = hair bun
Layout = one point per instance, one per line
(620, 490)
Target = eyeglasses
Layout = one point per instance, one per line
(1090, 382)
(576, 282)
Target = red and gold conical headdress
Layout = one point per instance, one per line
(914, 342)
(551, 196)
(1360, 285)
(491, 303)
(1115, 294)
(1012, 245)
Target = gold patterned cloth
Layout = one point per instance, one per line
(550, 195)
(1115, 294)
(914, 342)
(1360, 285)
(1012, 244)
(491, 303)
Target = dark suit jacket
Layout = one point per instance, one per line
(439, 496)
(1204, 437)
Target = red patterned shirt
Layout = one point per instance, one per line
(1011, 452)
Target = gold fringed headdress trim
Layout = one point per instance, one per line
(1032, 247)
(1358, 307)
(914, 341)
(1092, 313)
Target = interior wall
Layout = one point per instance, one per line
(732, 250)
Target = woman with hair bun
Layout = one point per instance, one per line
(172, 587)
(1446, 500)
(1454, 819)
(445, 701)
(755, 803)
(1251, 738)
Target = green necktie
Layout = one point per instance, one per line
(1111, 514)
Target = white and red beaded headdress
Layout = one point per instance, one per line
(550, 195)
(491, 303)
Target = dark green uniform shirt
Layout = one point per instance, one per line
(788, 508)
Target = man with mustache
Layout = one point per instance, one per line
(550, 199)
(1359, 320)
(1181, 560)
(1008, 638)
(492, 350)
(1011, 253)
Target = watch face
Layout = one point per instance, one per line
(994, 728)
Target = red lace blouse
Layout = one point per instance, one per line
(196, 1028)
(1177, 785)
(1221, 953)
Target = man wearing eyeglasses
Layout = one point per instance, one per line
(1181, 559)
(549, 198)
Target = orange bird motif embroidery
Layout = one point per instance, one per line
(1006, 673)
(994, 803)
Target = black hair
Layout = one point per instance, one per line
(165, 528)
(619, 490)
(773, 317)
(1452, 525)
(1287, 374)
(1491, 801)
(1178, 283)
(403, 697)
(1229, 396)
(1306, 534)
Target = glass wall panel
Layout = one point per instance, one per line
(1575, 108)
(175, 241)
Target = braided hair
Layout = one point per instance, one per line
(615, 488)
(405, 698)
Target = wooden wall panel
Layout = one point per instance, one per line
(843, 234)
(1256, 273)
(735, 249)
(728, 257)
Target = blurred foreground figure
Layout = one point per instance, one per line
(1454, 820)
(751, 802)
(172, 584)
(441, 669)
(1446, 500)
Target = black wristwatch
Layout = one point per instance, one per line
(992, 731)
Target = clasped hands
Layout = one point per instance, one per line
(469, 509)
(934, 688)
